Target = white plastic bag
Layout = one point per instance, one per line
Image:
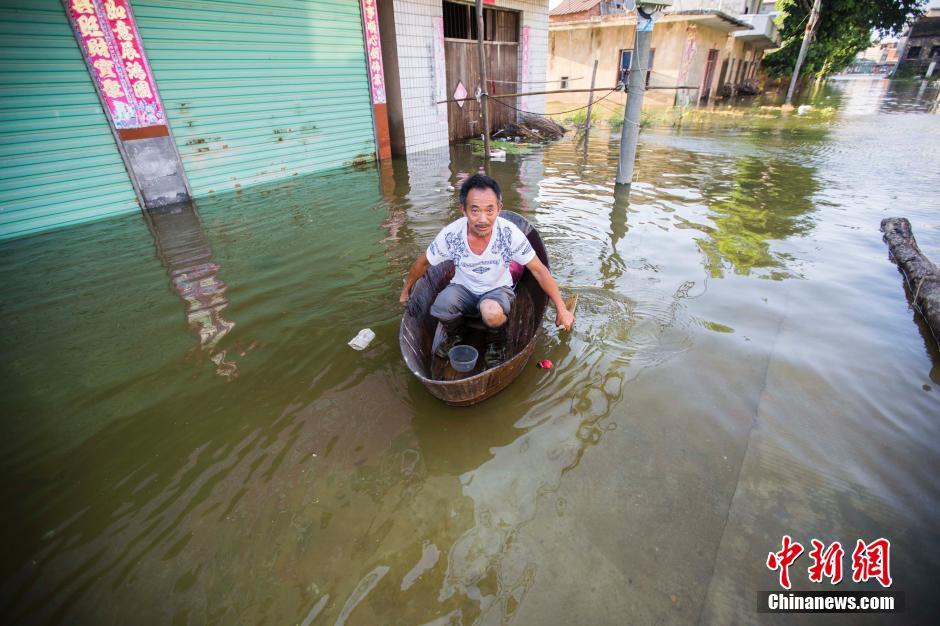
(362, 340)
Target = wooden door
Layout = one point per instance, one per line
(501, 36)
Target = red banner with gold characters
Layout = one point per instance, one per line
(370, 22)
(110, 42)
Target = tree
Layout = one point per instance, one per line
(845, 28)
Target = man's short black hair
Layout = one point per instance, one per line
(479, 181)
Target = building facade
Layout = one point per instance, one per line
(430, 54)
(700, 49)
(920, 45)
(110, 106)
(879, 58)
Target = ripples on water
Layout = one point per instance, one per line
(189, 438)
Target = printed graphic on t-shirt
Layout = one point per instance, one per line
(485, 271)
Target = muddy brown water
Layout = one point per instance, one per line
(187, 438)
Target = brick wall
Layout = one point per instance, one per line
(414, 33)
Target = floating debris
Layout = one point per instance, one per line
(362, 340)
(533, 128)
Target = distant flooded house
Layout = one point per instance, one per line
(113, 105)
(700, 48)
(920, 46)
(879, 58)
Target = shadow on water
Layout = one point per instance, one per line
(184, 248)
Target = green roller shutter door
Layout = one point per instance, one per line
(60, 164)
(259, 91)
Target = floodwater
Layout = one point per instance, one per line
(187, 438)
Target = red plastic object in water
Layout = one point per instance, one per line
(544, 364)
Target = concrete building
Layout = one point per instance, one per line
(701, 49)
(112, 106)
(879, 58)
(920, 45)
(430, 55)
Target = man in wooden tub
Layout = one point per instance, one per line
(482, 246)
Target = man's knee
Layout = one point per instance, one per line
(492, 313)
(445, 310)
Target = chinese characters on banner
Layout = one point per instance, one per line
(109, 40)
(869, 561)
(370, 21)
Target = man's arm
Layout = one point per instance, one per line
(563, 317)
(417, 271)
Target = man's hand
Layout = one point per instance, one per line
(564, 319)
(404, 297)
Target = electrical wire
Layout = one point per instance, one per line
(557, 112)
(531, 82)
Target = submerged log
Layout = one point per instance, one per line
(923, 276)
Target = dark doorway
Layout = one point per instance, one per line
(709, 73)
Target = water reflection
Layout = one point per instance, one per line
(613, 264)
(184, 248)
(763, 200)
(868, 96)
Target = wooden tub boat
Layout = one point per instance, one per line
(421, 332)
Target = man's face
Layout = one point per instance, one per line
(482, 208)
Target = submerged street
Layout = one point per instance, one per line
(188, 438)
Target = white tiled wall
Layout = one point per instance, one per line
(535, 16)
(414, 32)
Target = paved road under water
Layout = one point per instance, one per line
(187, 438)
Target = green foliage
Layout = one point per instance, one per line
(845, 28)
(579, 117)
(497, 144)
(615, 121)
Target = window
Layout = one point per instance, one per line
(623, 72)
(564, 82)
(934, 52)
(460, 22)
(914, 52)
(457, 22)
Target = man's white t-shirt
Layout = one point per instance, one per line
(481, 272)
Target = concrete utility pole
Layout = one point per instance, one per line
(807, 37)
(484, 107)
(636, 87)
